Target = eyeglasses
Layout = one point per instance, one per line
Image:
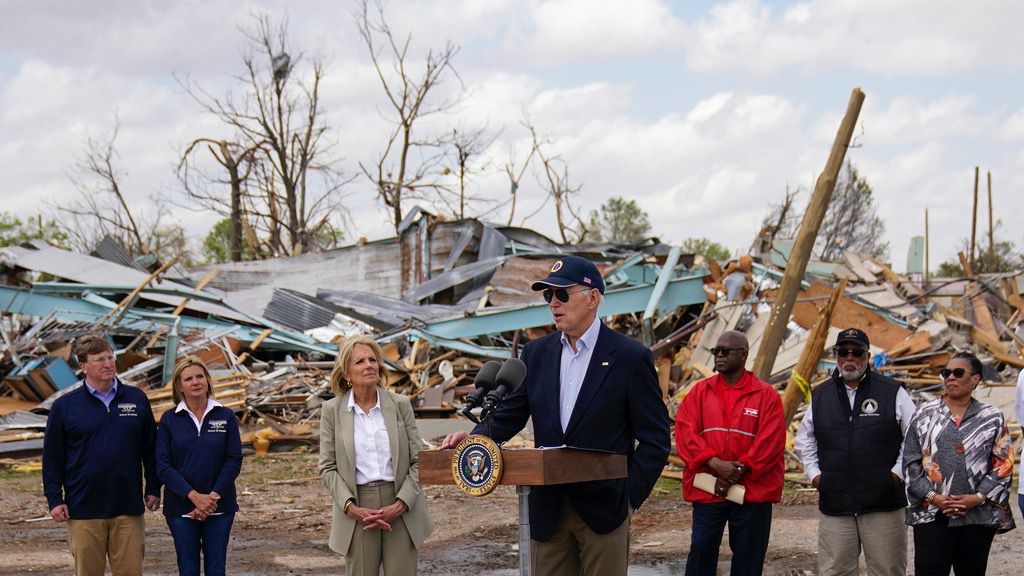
(955, 372)
(561, 293)
(847, 352)
(724, 351)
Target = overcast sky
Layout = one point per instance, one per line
(703, 112)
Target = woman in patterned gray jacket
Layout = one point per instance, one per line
(958, 466)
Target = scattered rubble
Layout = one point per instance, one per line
(444, 297)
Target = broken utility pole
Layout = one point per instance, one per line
(797, 265)
(798, 388)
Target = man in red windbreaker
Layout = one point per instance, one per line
(731, 426)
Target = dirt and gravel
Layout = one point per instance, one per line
(283, 525)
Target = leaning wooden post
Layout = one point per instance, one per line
(122, 307)
(804, 242)
(974, 216)
(798, 388)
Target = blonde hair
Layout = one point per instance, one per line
(339, 384)
(183, 363)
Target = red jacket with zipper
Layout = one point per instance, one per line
(742, 422)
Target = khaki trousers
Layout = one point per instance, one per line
(882, 535)
(121, 539)
(575, 549)
(371, 549)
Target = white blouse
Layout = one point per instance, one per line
(372, 448)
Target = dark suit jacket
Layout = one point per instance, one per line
(619, 406)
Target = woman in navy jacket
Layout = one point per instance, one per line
(198, 456)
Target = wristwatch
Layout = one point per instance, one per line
(982, 496)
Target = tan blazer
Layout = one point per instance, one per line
(338, 464)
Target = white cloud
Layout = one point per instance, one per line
(558, 32)
(916, 37)
(1013, 128)
(708, 108)
(908, 120)
(703, 121)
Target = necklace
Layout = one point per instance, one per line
(957, 417)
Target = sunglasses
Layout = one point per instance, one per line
(561, 293)
(955, 372)
(723, 351)
(847, 352)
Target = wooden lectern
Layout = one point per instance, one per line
(527, 467)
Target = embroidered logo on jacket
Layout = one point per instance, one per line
(869, 407)
(750, 412)
(127, 409)
(217, 425)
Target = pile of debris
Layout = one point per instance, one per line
(914, 327)
(442, 298)
(269, 330)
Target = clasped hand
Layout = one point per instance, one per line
(205, 504)
(728, 472)
(956, 506)
(377, 518)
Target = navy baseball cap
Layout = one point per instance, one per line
(853, 336)
(571, 270)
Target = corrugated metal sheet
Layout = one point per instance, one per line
(528, 237)
(42, 257)
(370, 267)
(455, 277)
(299, 311)
(22, 420)
(385, 313)
(111, 250)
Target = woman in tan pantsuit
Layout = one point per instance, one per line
(368, 461)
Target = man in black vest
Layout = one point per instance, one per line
(849, 443)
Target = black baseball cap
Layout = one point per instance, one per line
(569, 271)
(853, 336)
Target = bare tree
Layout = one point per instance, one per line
(553, 177)
(851, 222)
(465, 147)
(782, 220)
(280, 128)
(203, 187)
(515, 173)
(396, 174)
(102, 207)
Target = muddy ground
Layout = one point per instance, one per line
(284, 521)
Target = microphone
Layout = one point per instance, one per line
(511, 375)
(484, 383)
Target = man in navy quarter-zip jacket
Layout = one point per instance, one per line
(98, 439)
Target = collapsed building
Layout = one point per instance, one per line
(442, 297)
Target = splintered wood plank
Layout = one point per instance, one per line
(882, 333)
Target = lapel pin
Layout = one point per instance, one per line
(604, 363)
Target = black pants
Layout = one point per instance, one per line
(937, 548)
(749, 528)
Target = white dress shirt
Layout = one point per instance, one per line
(573, 370)
(372, 448)
(807, 445)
